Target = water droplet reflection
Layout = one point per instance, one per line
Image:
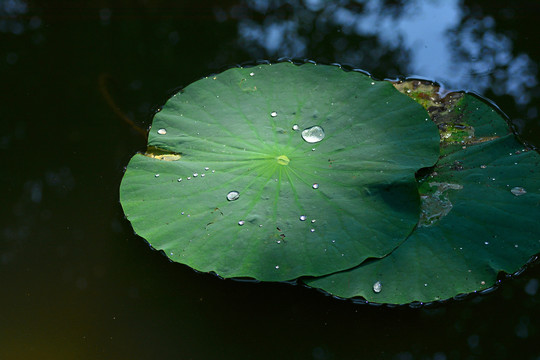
(162, 131)
(315, 186)
(233, 195)
(313, 134)
(518, 190)
(377, 287)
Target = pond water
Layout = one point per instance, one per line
(78, 283)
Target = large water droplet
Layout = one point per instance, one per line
(377, 287)
(162, 131)
(518, 190)
(313, 134)
(233, 195)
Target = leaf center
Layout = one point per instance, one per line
(283, 160)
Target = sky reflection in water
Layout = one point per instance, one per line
(439, 39)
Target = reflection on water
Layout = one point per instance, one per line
(439, 39)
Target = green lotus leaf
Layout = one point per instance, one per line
(279, 171)
(480, 211)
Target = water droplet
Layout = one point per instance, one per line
(313, 134)
(518, 190)
(233, 195)
(303, 217)
(273, 114)
(312, 230)
(251, 73)
(312, 221)
(483, 166)
(206, 168)
(157, 175)
(372, 83)
(213, 171)
(179, 179)
(203, 175)
(334, 241)
(377, 287)
(295, 127)
(277, 266)
(182, 213)
(315, 186)
(486, 242)
(188, 178)
(241, 222)
(162, 131)
(195, 174)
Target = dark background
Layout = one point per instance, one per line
(77, 283)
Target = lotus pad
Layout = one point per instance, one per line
(480, 215)
(280, 171)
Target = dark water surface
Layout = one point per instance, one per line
(76, 283)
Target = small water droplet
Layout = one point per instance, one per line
(313, 134)
(303, 217)
(312, 221)
(483, 166)
(241, 222)
(295, 127)
(377, 287)
(203, 175)
(179, 179)
(486, 242)
(277, 266)
(233, 195)
(162, 131)
(195, 174)
(425, 284)
(315, 186)
(182, 213)
(157, 175)
(188, 178)
(312, 230)
(273, 114)
(206, 168)
(251, 73)
(373, 83)
(518, 190)
(334, 241)
(213, 171)
(408, 91)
